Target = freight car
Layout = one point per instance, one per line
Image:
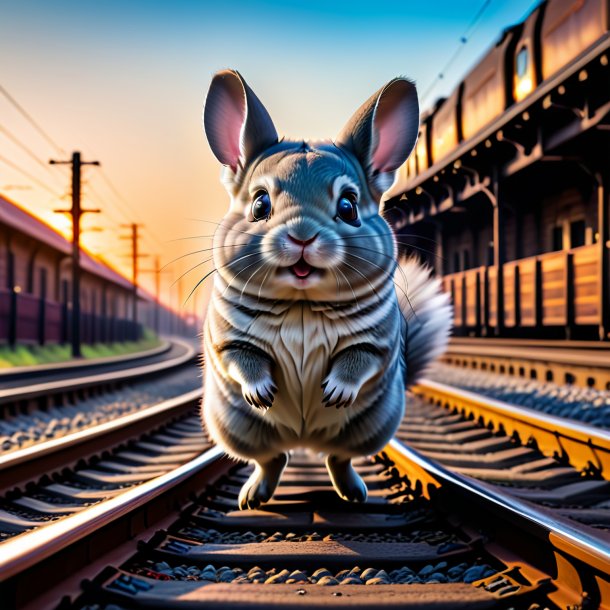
(509, 180)
(555, 33)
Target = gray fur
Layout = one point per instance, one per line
(319, 362)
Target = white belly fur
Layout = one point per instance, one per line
(302, 348)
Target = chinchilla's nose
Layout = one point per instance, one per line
(302, 242)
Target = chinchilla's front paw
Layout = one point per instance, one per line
(337, 392)
(259, 393)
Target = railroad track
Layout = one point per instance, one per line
(43, 411)
(499, 525)
(24, 387)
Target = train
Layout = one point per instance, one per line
(506, 192)
(525, 55)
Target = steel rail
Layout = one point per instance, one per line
(23, 551)
(576, 443)
(42, 389)
(43, 450)
(564, 535)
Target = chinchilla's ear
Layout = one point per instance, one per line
(237, 125)
(383, 131)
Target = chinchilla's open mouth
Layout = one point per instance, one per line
(302, 269)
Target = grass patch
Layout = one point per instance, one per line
(31, 355)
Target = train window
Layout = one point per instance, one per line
(456, 261)
(522, 62)
(577, 233)
(557, 238)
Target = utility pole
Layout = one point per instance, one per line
(76, 212)
(157, 270)
(135, 257)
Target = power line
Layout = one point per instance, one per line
(93, 194)
(31, 120)
(13, 138)
(463, 41)
(59, 149)
(28, 175)
(110, 210)
(124, 200)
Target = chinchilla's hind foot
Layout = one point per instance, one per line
(346, 481)
(262, 483)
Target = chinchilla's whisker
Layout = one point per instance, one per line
(192, 254)
(221, 267)
(262, 266)
(207, 260)
(190, 237)
(260, 288)
(409, 245)
(212, 222)
(431, 252)
(364, 277)
(394, 261)
(207, 275)
(262, 311)
(210, 237)
(395, 266)
(388, 275)
(390, 233)
(430, 239)
(337, 282)
(244, 269)
(240, 258)
(350, 287)
(397, 240)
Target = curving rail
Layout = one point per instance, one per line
(35, 390)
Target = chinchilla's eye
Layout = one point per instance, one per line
(261, 206)
(346, 208)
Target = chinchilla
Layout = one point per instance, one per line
(307, 341)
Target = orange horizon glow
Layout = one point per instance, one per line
(62, 225)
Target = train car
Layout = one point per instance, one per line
(569, 28)
(527, 64)
(445, 127)
(422, 148)
(552, 35)
(486, 89)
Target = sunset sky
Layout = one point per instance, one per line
(124, 83)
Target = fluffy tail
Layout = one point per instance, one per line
(428, 312)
